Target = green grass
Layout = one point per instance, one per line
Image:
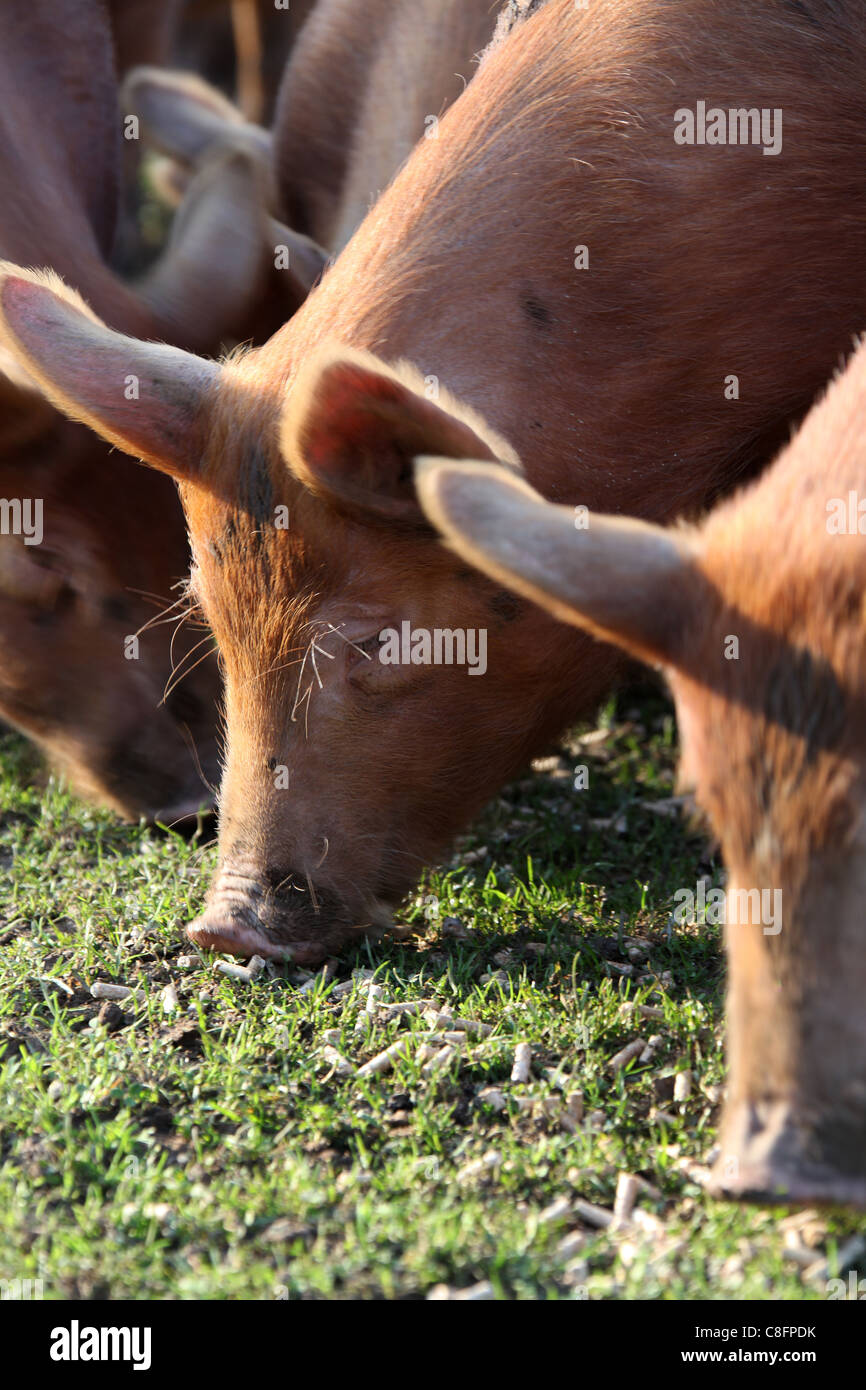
(214, 1153)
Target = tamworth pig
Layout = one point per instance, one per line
(110, 544)
(345, 775)
(759, 618)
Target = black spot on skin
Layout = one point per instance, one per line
(255, 492)
(219, 546)
(806, 698)
(537, 313)
(272, 762)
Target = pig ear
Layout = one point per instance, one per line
(223, 243)
(183, 116)
(220, 253)
(147, 398)
(353, 427)
(623, 580)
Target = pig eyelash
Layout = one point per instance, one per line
(283, 666)
(356, 646)
(301, 700)
(368, 647)
(312, 649)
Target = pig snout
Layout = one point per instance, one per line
(782, 1151)
(794, 1122)
(277, 916)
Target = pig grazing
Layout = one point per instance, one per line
(344, 775)
(759, 618)
(78, 592)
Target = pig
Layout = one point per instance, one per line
(758, 618)
(88, 669)
(457, 324)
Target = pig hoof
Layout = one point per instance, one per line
(771, 1156)
(768, 1184)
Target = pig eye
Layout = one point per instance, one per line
(368, 671)
(361, 654)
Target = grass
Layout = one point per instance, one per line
(214, 1152)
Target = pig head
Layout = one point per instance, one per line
(338, 784)
(101, 665)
